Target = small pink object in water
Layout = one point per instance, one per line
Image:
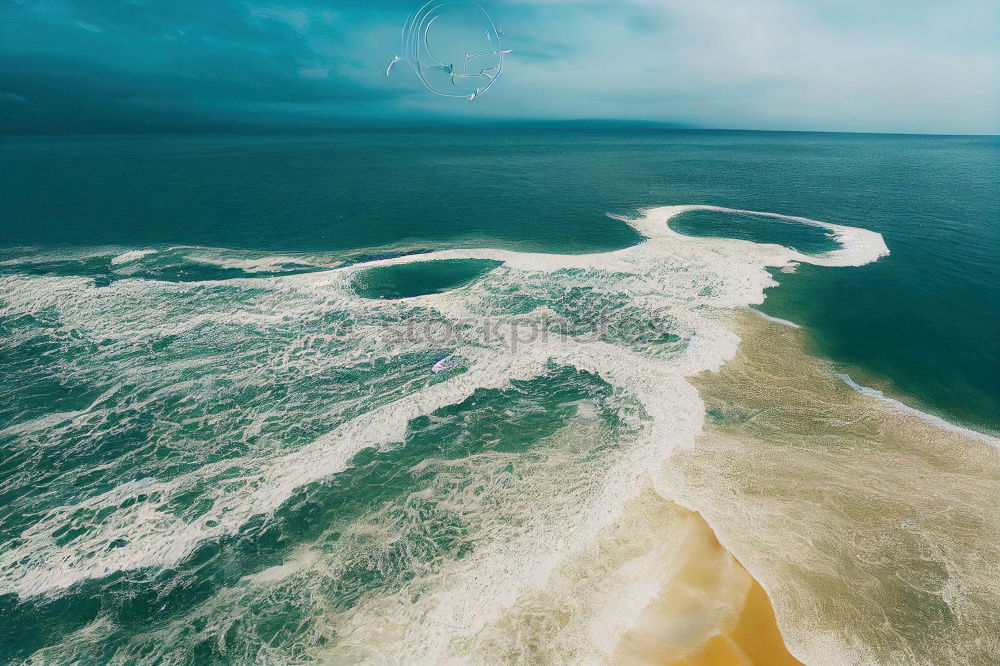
(444, 364)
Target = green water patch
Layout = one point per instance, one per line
(756, 228)
(419, 278)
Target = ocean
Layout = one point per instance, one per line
(457, 395)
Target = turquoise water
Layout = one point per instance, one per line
(756, 228)
(220, 440)
(924, 320)
(408, 280)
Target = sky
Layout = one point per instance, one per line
(913, 66)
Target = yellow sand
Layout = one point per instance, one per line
(710, 612)
(754, 640)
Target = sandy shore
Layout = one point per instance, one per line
(710, 611)
(754, 640)
(756, 635)
(872, 526)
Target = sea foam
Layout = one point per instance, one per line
(130, 256)
(243, 336)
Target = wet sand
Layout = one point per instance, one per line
(872, 528)
(755, 640)
(710, 611)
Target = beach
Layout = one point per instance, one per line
(710, 612)
(820, 477)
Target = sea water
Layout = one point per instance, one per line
(430, 396)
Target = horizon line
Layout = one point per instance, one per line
(550, 124)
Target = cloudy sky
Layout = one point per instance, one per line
(209, 65)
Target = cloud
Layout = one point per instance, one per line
(296, 18)
(146, 65)
(221, 64)
(769, 64)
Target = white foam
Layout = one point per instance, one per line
(130, 256)
(274, 264)
(776, 320)
(924, 416)
(693, 279)
(857, 246)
